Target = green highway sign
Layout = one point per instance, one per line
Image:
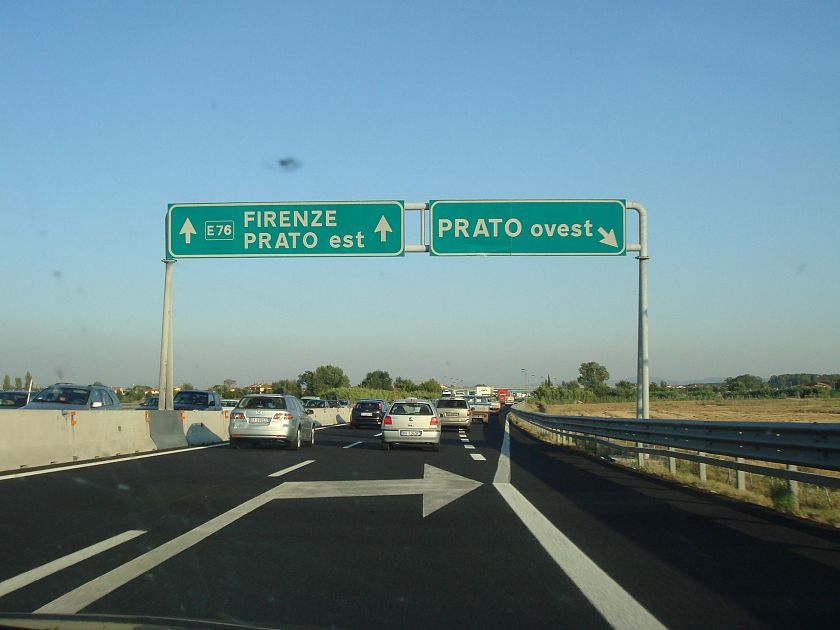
(561, 227)
(309, 228)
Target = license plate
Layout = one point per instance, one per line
(367, 413)
(411, 433)
(451, 415)
(259, 420)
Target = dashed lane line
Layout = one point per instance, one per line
(280, 473)
(352, 445)
(478, 457)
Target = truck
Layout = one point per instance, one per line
(482, 390)
(502, 395)
(480, 407)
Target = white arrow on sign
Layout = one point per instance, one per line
(383, 227)
(187, 230)
(437, 486)
(609, 237)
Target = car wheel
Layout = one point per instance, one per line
(234, 444)
(386, 446)
(295, 445)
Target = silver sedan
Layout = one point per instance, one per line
(271, 418)
(411, 421)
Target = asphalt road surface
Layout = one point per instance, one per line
(490, 532)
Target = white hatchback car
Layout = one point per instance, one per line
(411, 421)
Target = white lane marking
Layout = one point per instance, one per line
(465, 439)
(83, 596)
(615, 604)
(33, 575)
(352, 445)
(337, 425)
(377, 434)
(469, 446)
(478, 457)
(280, 473)
(104, 463)
(503, 468)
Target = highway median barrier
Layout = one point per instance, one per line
(32, 438)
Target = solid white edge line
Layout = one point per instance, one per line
(615, 604)
(33, 575)
(352, 445)
(291, 468)
(117, 460)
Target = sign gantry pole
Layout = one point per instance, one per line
(643, 369)
(165, 381)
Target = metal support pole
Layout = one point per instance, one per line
(643, 371)
(165, 383)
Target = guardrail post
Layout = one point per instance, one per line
(740, 476)
(672, 463)
(702, 467)
(793, 485)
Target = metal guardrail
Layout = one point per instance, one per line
(791, 444)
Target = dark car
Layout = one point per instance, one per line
(197, 400)
(368, 412)
(70, 396)
(13, 399)
(150, 403)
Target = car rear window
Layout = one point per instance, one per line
(190, 398)
(411, 409)
(368, 406)
(262, 402)
(68, 395)
(448, 403)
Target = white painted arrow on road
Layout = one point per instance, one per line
(383, 227)
(437, 486)
(609, 237)
(187, 230)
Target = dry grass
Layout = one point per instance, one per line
(766, 410)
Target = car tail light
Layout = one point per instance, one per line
(283, 415)
(387, 420)
(379, 406)
(237, 415)
(433, 422)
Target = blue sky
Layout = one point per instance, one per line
(721, 117)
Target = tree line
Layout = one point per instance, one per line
(591, 386)
(19, 383)
(330, 381)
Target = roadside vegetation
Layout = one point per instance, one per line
(783, 398)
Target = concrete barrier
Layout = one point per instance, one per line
(30, 438)
(331, 415)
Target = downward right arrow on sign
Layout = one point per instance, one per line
(609, 237)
